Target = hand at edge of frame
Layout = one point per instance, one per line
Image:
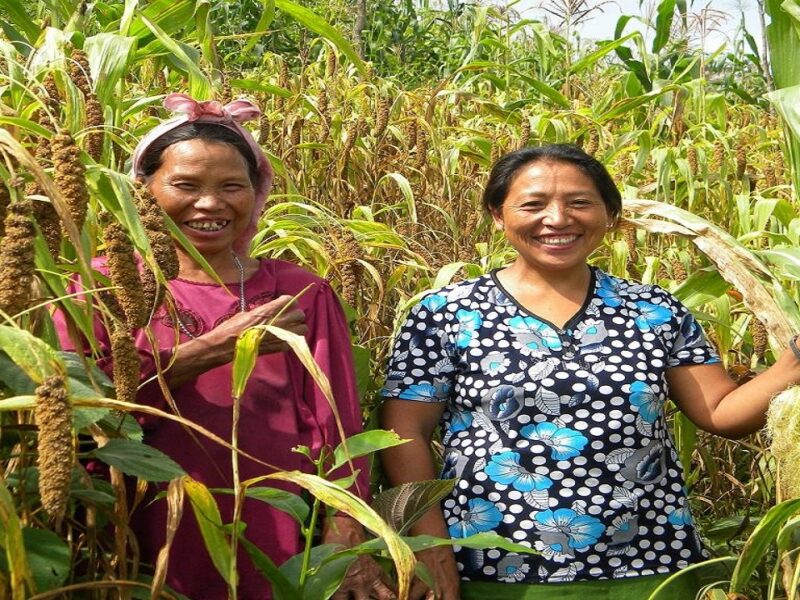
(441, 563)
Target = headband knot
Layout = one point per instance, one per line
(211, 111)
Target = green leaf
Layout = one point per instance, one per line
(244, 359)
(82, 417)
(199, 85)
(282, 588)
(327, 578)
(267, 15)
(342, 500)
(49, 558)
(109, 56)
(123, 424)
(257, 86)
(364, 443)
(321, 27)
(137, 459)
(20, 20)
(206, 512)
(31, 354)
(665, 591)
(666, 11)
(17, 572)
(590, 59)
(14, 378)
(288, 502)
(402, 505)
(764, 535)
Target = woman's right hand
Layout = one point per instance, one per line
(277, 312)
(441, 564)
(216, 348)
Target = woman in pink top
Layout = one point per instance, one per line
(212, 179)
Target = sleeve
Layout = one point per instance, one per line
(422, 364)
(688, 344)
(329, 341)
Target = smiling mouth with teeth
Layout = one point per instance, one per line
(563, 240)
(207, 225)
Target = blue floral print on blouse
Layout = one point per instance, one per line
(556, 436)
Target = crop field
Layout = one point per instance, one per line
(381, 134)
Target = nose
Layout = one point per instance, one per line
(208, 200)
(556, 215)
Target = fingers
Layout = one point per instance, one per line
(381, 591)
(280, 311)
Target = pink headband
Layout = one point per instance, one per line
(229, 116)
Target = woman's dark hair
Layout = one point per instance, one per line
(210, 132)
(508, 167)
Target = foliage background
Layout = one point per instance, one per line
(381, 144)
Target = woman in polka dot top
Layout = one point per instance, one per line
(548, 379)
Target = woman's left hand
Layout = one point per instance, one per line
(364, 579)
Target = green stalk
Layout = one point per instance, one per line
(237, 495)
(308, 531)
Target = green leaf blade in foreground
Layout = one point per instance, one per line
(212, 530)
(137, 459)
(342, 500)
(290, 503)
(403, 505)
(49, 558)
(31, 354)
(363, 444)
(764, 535)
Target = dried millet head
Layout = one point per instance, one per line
(79, 71)
(126, 363)
(124, 274)
(759, 333)
(69, 176)
(56, 449)
(152, 217)
(152, 292)
(17, 258)
(53, 98)
(95, 121)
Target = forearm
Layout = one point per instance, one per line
(194, 357)
(409, 462)
(743, 410)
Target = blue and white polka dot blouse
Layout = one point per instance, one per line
(557, 437)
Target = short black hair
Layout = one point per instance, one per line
(210, 132)
(508, 167)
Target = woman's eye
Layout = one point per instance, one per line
(185, 186)
(233, 187)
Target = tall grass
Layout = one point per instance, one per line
(378, 187)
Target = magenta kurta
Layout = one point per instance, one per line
(282, 407)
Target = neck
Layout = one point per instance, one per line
(573, 281)
(222, 263)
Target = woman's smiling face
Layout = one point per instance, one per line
(205, 188)
(553, 215)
